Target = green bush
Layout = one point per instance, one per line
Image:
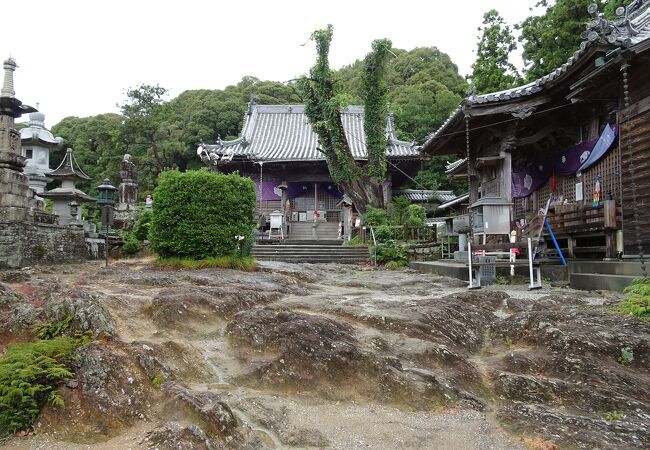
(383, 233)
(375, 217)
(131, 244)
(199, 214)
(638, 299)
(393, 265)
(29, 376)
(141, 227)
(389, 251)
(354, 242)
(416, 215)
(400, 211)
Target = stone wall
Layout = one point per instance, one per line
(26, 243)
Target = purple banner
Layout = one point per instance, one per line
(272, 191)
(567, 162)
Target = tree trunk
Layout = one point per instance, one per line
(364, 192)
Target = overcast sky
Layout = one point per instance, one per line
(77, 58)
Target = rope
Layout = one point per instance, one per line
(632, 169)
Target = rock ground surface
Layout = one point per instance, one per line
(340, 357)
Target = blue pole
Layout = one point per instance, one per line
(559, 251)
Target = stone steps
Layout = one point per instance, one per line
(305, 230)
(310, 253)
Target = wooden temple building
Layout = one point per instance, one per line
(577, 139)
(279, 150)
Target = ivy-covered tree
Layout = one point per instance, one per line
(323, 104)
(492, 71)
(551, 38)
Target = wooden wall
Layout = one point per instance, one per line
(638, 127)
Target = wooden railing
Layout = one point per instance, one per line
(574, 219)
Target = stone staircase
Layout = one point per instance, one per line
(301, 231)
(609, 275)
(311, 252)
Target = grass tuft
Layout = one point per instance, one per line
(638, 299)
(242, 263)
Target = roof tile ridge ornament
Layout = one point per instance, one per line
(613, 32)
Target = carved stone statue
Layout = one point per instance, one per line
(128, 171)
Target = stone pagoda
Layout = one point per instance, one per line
(67, 199)
(37, 142)
(17, 201)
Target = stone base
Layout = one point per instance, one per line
(27, 243)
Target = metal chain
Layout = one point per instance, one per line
(632, 169)
(469, 181)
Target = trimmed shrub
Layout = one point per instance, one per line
(400, 210)
(383, 233)
(199, 214)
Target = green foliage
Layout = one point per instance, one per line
(627, 356)
(614, 415)
(242, 263)
(157, 380)
(638, 299)
(493, 70)
(131, 244)
(389, 251)
(416, 215)
(142, 226)
(354, 242)
(29, 375)
(423, 84)
(432, 176)
(375, 99)
(54, 329)
(394, 265)
(383, 233)
(551, 38)
(375, 217)
(400, 210)
(200, 214)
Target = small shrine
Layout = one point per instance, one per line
(37, 142)
(67, 199)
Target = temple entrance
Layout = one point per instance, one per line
(316, 199)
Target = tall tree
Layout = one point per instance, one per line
(363, 183)
(144, 111)
(492, 71)
(550, 39)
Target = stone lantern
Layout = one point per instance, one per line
(105, 193)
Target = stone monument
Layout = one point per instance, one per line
(28, 234)
(126, 211)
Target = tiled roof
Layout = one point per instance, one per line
(453, 202)
(283, 133)
(424, 195)
(69, 168)
(639, 23)
(452, 166)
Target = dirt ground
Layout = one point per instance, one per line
(332, 356)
